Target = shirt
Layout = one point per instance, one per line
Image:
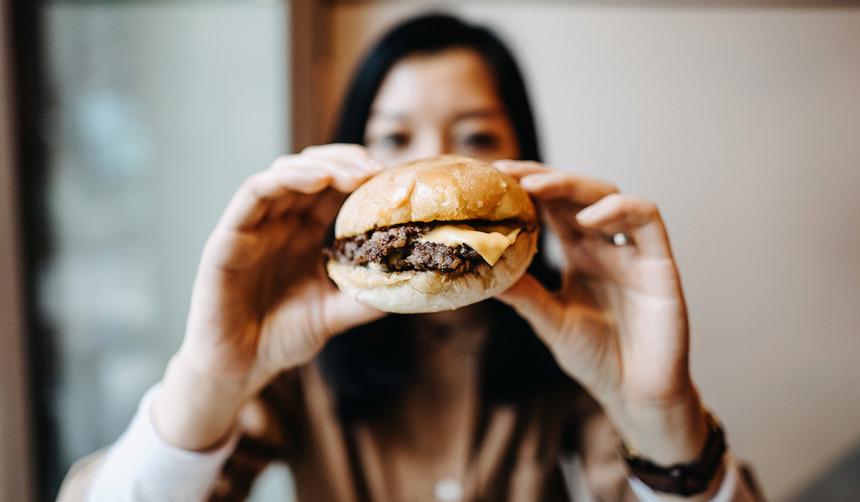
(517, 456)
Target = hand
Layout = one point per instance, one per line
(261, 301)
(619, 323)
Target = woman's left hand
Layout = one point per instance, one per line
(618, 324)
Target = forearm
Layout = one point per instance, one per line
(671, 432)
(194, 411)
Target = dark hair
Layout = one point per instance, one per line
(427, 34)
(369, 367)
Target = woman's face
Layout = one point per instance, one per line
(445, 102)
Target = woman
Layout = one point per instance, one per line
(476, 404)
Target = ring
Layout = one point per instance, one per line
(620, 239)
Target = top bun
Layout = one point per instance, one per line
(445, 188)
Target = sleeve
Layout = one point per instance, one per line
(141, 466)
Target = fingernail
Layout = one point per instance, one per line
(588, 213)
(530, 182)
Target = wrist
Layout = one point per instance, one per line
(692, 481)
(194, 410)
(667, 433)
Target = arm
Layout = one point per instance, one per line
(261, 304)
(619, 323)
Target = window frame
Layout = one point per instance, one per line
(29, 470)
(17, 480)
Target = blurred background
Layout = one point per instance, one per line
(126, 125)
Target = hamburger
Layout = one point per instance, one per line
(431, 235)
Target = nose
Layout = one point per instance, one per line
(430, 144)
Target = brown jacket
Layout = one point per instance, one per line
(515, 456)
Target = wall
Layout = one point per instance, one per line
(744, 124)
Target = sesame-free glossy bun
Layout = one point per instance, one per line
(445, 188)
(412, 292)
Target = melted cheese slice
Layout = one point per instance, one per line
(490, 245)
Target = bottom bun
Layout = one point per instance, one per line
(414, 292)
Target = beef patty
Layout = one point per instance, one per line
(397, 249)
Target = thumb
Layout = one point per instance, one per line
(534, 303)
(342, 312)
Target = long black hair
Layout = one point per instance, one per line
(370, 367)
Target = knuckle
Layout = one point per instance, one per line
(249, 183)
(313, 149)
(616, 199)
(530, 164)
(281, 161)
(350, 147)
(647, 207)
(344, 148)
(651, 208)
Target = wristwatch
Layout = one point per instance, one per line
(682, 479)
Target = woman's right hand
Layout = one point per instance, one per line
(261, 301)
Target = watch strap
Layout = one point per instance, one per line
(683, 479)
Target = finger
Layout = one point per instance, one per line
(581, 190)
(298, 205)
(344, 177)
(348, 169)
(547, 182)
(637, 217)
(519, 168)
(321, 214)
(252, 201)
(342, 312)
(356, 156)
(534, 303)
(560, 216)
(232, 251)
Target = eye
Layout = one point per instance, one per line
(393, 140)
(480, 141)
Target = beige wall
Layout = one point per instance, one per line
(744, 124)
